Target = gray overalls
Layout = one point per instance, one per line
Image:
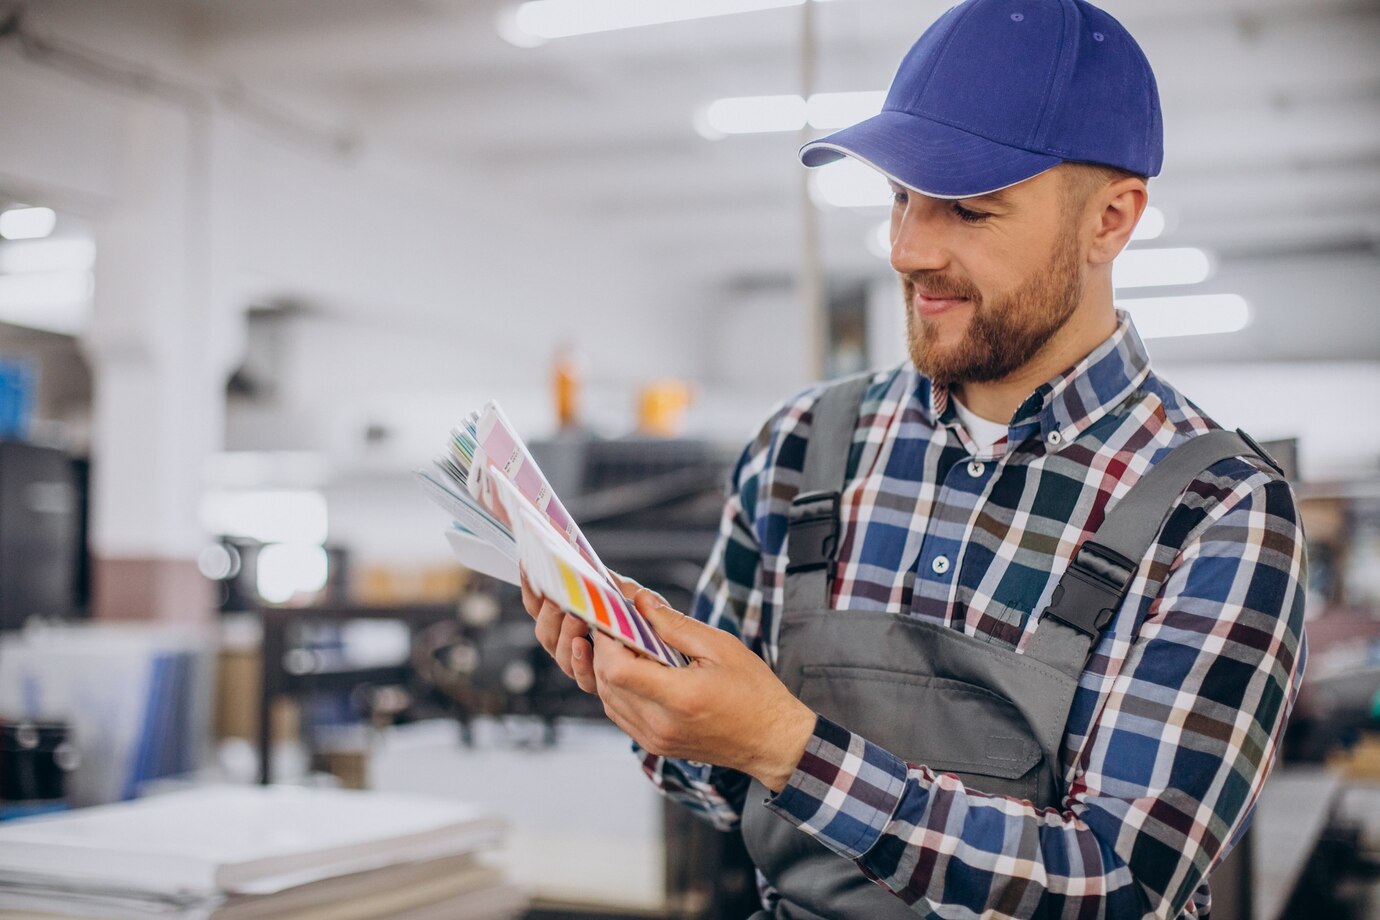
(929, 693)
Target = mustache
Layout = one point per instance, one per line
(937, 284)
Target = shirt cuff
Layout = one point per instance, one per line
(843, 792)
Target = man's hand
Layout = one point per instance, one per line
(726, 707)
(564, 636)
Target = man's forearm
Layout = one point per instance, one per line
(935, 843)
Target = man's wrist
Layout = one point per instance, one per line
(786, 747)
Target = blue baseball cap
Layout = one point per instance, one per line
(998, 91)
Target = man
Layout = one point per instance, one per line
(918, 680)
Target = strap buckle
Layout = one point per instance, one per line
(813, 531)
(1261, 452)
(1091, 589)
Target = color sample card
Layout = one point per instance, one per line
(497, 495)
(498, 443)
(558, 571)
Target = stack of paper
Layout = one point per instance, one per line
(246, 852)
(506, 514)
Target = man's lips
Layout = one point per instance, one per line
(927, 305)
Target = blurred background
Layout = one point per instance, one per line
(257, 258)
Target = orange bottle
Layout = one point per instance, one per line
(565, 379)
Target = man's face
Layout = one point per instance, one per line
(987, 281)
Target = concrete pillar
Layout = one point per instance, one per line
(161, 344)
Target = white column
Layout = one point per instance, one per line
(160, 347)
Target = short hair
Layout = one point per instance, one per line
(1082, 179)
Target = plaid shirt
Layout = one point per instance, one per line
(1178, 714)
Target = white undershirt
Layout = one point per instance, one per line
(984, 433)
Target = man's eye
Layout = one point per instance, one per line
(898, 196)
(969, 216)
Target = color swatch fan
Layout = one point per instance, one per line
(506, 514)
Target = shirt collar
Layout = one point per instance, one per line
(1069, 403)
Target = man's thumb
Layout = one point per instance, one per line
(683, 633)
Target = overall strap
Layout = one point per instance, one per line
(813, 526)
(1100, 574)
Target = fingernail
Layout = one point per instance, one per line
(577, 651)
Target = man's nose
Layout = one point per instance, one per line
(917, 242)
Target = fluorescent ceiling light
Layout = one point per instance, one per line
(42, 288)
(848, 183)
(47, 256)
(52, 301)
(790, 112)
(62, 319)
(839, 110)
(541, 20)
(754, 115)
(1194, 314)
(27, 223)
(1151, 225)
(506, 22)
(1159, 267)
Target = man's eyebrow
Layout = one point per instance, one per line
(999, 197)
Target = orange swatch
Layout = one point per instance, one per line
(600, 611)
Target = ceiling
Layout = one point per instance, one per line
(1272, 112)
(1272, 108)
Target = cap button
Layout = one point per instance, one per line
(1098, 36)
(1017, 17)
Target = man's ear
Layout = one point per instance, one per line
(1118, 207)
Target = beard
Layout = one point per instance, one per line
(1003, 333)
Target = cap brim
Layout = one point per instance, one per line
(928, 156)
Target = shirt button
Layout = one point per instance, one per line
(976, 468)
(940, 565)
(1055, 438)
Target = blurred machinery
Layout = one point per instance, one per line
(35, 758)
(232, 565)
(43, 565)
